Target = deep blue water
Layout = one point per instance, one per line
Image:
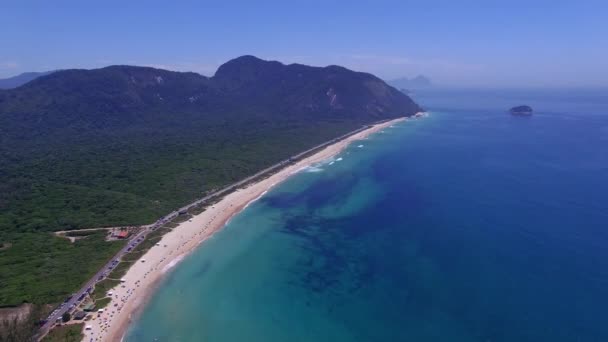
(467, 225)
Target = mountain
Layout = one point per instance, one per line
(417, 82)
(124, 144)
(21, 79)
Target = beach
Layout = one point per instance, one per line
(140, 280)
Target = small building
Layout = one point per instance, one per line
(79, 315)
(123, 234)
(88, 307)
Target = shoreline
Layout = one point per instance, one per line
(141, 280)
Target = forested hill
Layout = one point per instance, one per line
(125, 144)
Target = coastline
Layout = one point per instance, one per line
(141, 279)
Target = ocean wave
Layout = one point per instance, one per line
(313, 169)
(172, 264)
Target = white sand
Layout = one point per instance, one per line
(142, 276)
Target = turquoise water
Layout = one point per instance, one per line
(468, 225)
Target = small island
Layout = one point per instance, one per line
(521, 110)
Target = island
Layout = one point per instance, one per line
(521, 110)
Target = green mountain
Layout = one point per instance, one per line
(125, 145)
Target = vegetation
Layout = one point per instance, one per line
(102, 287)
(66, 317)
(102, 303)
(120, 270)
(42, 268)
(65, 333)
(13, 328)
(82, 233)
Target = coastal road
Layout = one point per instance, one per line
(101, 274)
(139, 237)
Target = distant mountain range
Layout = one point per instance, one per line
(21, 79)
(405, 83)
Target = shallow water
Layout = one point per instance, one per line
(467, 225)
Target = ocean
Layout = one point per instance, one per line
(466, 225)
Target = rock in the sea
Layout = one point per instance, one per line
(521, 110)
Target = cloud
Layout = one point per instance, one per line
(9, 65)
(103, 61)
(378, 59)
(392, 66)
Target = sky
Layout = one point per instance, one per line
(455, 43)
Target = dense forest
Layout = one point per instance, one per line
(124, 145)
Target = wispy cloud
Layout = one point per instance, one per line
(394, 66)
(390, 62)
(9, 65)
(378, 59)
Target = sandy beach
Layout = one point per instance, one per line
(141, 278)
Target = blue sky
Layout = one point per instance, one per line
(470, 43)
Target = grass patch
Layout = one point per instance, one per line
(132, 256)
(102, 287)
(102, 303)
(65, 333)
(121, 269)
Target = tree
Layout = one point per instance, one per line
(66, 317)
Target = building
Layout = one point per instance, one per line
(123, 234)
(90, 306)
(79, 315)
